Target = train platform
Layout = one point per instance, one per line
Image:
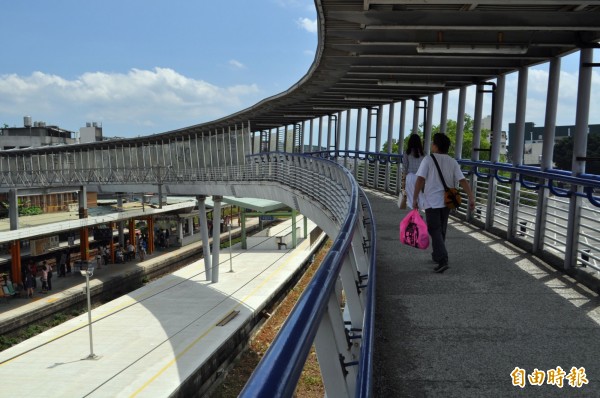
(157, 340)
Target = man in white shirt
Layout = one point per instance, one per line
(436, 212)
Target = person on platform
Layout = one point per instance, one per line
(119, 256)
(29, 281)
(44, 278)
(142, 248)
(49, 268)
(130, 251)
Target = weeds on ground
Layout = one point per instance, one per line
(310, 383)
(32, 330)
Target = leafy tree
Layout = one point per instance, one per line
(451, 133)
(467, 138)
(563, 153)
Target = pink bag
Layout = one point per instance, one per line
(413, 230)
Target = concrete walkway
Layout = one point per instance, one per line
(462, 333)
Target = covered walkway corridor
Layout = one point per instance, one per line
(463, 333)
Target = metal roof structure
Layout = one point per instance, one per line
(373, 52)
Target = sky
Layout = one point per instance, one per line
(141, 67)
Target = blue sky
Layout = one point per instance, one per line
(146, 66)
(141, 67)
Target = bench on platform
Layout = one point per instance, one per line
(285, 239)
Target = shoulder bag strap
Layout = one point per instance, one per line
(440, 172)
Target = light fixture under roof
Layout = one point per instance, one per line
(407, 83)
(329, 108)
(374, 99)
(449, 48)
(299, 116)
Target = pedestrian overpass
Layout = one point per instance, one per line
(372, 57)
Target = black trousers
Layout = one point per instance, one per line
(437, 224)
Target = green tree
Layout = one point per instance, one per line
(451, 132)
(467, 138)
(563, 153)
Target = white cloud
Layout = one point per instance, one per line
(160, 98)
(310, 25)
(237, 64)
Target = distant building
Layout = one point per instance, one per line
(486, 124)
(33, 135)
(92, 132)
(534, 139)
(38, 134)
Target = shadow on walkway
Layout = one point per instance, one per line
(462, 333)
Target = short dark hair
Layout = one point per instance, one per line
(442, 142)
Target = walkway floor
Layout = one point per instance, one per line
(496, 309)
(150, 341)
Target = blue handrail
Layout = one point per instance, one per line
(549, 177)
(278, 372)
(364, 382)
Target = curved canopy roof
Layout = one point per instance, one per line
(373, 52)
(380, 51)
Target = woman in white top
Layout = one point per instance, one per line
(410, 163)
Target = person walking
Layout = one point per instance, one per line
(44, 278)
(34, 271)
(436, 212)
(142, 248)
(30, 281)
(413, 156)
(49, 267)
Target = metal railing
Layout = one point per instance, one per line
(525, 205)
(530, 206)
(310, 322)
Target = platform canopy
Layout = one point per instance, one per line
(259, 205)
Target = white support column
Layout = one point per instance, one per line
(330, 343)
(358, 251)
(216, 237)
(378, 144)
(401, 134)
(579, 151)
(180, 231)
(13, 209)
(547, 152)
(460, 122)
(444, 113)
(415, 125)
(390, 137)
(366, 167)
(476, 143)
(204, 234)
(320, 135)
(498, 112)
(338, 133)
(190, 226)
(517, 151)
(347, 140)
(428, 122)
(353, 301)
(357, 141)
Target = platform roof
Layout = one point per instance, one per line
(259, 205)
